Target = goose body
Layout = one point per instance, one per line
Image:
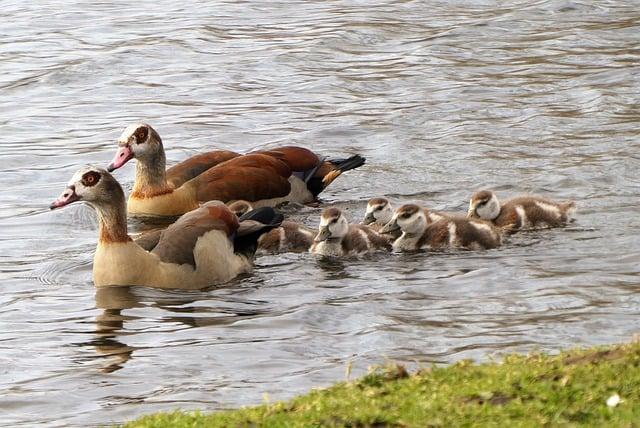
(449, 232)
(289, 237)
(264, 178)
(337, 238)
(523, 212)
(204, 247)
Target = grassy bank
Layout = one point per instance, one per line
(569, 389)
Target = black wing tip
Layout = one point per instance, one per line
(265, 215)
(349, 163)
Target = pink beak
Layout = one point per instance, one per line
(122, 156)
(68, 196)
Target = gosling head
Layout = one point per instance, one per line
(379, 211)
(333, 225)
(92, 185)
(409, 218)
(484, 205)
(139, 141)
(240, 207)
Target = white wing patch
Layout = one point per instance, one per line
(453, 237)
(551, 209)
(483, 226)
(524, 221)
(281, 239)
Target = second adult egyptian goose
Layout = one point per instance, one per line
(264, 178)
(523, 212)
(206, 246)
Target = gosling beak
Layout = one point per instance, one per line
(323, 234)
(392, 226)
(369, 218)
(471, 213)
(123, 155)
(67, 197)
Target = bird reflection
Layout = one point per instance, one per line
(178, 311)
(333, 268)
(112, 300)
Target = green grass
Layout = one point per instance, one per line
(570, 389)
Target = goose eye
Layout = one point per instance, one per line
(335, 220)
(90, 179)
(141, 135)
(405, 215)
(481, 203)
(378, 208)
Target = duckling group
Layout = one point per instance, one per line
(225, 202)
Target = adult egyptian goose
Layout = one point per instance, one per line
(264, 178)
(289, 237)
(523, 212)
(450, 232)
(336, 237)
(206, 246)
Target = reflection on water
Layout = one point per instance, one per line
(443, 98)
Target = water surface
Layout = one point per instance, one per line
(442, 97)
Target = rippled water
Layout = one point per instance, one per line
(442, 97)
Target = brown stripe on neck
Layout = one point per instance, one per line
(150, 192)
(107, 236)
(112, 220)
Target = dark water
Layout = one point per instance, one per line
(442, 97)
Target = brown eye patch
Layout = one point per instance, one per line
(141, 134)
(90, 178)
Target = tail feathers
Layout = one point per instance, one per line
(349, 163)
(331, 169)
(252, 225)
(340, 166)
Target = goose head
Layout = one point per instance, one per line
(409, 218)
(93, 185)
(333, 225)
(379, 211)
(484, 205)
(139, 141)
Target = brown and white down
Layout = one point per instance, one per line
(206, 246)
(450, 232)
(336, 237)
(523, 212)
(289, 237)
(265, 177)
(380, 212)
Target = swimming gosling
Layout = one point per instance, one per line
(336, 237)
(519, 213)
(449, 232)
